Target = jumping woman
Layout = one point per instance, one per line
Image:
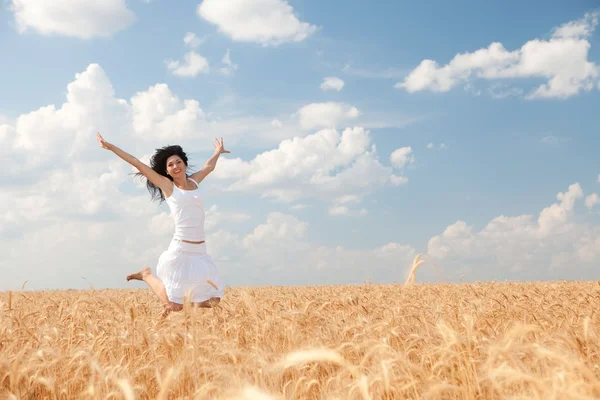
(184, 269)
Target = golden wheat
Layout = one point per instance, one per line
(415, 341)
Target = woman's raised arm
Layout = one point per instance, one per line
(211, 163)
(164, 183)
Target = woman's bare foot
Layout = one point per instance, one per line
(139, 276)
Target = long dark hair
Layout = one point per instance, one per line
(158, 163)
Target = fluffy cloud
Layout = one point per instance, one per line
(77, 18)
(325, 115)
(48, 132)
(563, 60)
(332, 83)
(325, 165)
(268, 22)
(278, 228)
(293, 259)
(158, 114)
(592, 200)
(402, 157)
(216, 217)
(155, 114)
(521, 246)
(192, 41)
(279, 251)
(192, 65)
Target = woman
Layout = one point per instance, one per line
(184, 269)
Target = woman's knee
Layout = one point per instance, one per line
(205, 304)
(212, 302)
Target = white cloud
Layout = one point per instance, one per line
(324, 165)
(158, 114)
(229, 66)
(402, 157)
(215, 218)
(279, 250)
(76, 18)
(192, 65)
(580, 28)
(592, 200)
(521, 244)
(54, 132)
(293, 259)
(277, 229)
(268, 22)
(557, 215)
(192, 41)
(50, 131)
(332, 83)
(326, 115)
(563, 60)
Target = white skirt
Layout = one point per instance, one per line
(187, 271)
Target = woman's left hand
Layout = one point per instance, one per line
(103, 143)
(220, 147)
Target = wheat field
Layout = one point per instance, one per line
(418, 341)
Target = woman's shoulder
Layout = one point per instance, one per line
(195, 183)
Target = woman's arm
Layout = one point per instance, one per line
(211, 163)
(158, 180)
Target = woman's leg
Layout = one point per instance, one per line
(158, 288)
(155, 284)
(212, 302)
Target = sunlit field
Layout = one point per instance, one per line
(421, 341)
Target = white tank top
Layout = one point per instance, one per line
(187, 208)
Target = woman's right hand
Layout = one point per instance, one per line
(103, 143)
(220, 147)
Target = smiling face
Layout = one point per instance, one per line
(175, 166)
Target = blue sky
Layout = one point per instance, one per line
(510, 127)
